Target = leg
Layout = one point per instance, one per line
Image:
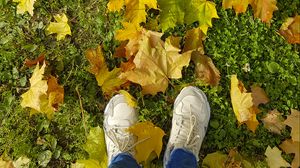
(190, 120)
(123, 160)
(181, 158)
(118, 116)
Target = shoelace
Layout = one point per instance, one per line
(122, 144)
(189, 141)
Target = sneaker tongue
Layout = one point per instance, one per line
(120, 118)
(190, 104)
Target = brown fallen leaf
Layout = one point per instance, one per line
(290, 146)
(293, 120)
(274, 121)
(264, 9)
(121, 50)
(55, 92)
(40, 59)
(259, 95)
(205, 69)
(290, 30)
(239, 6)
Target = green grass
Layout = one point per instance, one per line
(232, 42)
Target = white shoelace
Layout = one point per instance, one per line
(186, 135)
(123, 141)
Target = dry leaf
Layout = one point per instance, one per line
(239, 6)
(43, 96)
(24, 6)
(60, 27)
(109, 81)
(155, 65)
(127, 66)
(264, 9)
(259, 95)
(131, 101)
(274, 122)
(6, 164)
(290, 30)
(242, 103)
(274, 158)
(193, 40)
(205, 69)
(38, 87)
(149, 138)
(22, 162)
(55, 92)
(288, 146)
(135, 11)
(293, 120)
(38, 60)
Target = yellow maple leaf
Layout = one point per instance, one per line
(60, 27)
(242, 103)
(109, 81)
(264, 9)
(43, 96)
(149, 140)
(135, 9)
(155, 63)
(38, 87)
(274, 158)
(131, 101)
(293, 120)
(25, 5)
(290, 146)
(239, 6)
(133, 34)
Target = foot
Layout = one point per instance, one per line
(190, 119)
(118, 116)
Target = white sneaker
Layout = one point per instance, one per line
(190, 120)
(118, 116)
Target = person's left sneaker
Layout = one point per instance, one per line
(118, 116)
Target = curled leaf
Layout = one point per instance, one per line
(39, 60)
(259, 96)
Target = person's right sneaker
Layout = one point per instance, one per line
(191, 115)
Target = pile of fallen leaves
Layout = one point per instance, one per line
(151, 62)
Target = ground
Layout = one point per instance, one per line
(232, 42)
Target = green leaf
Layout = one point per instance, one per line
(95, 145)
(214, 160)
(178, 12)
